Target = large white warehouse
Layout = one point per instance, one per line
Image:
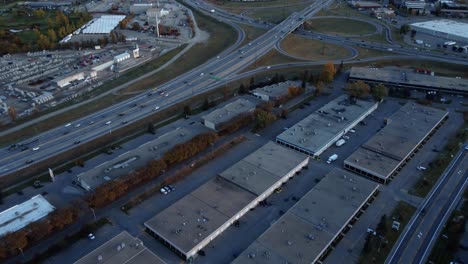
(443, 28)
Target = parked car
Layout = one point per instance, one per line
(91, 236)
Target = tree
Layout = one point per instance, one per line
(328, 72)
(413, 33)
(379, 92)
(382, 225)
(187, 110)
(43, 42)
(358, 89)
(263, 118)
(52, 36)
(39, 13)
(404, 29)
(252, 82)
(243, 89)
(319, 88)
(12, 113)
(136, 26)
(16, 241)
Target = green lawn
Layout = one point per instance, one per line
(379, 249)
(340, 26)
(312, 49)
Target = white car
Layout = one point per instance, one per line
(156, 108)
(67, 125)
(268, 67)
(352, 131)
(91, 236)
(218, 57)
(36, 148)
(108, 122)
(77, 125)
(421, 168)
(201, 74)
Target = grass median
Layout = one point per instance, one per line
(312, 49)
(340, 26)
(377, 247)
(221, 36)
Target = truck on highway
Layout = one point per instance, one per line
(332, 158)
(340, 142)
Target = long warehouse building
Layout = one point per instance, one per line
(405, 132)
(318, 131)
(403, 78)
(192, 222)
(307, 232)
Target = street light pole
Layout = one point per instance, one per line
(94, 214)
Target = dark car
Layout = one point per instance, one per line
(77, 142)
(29, 161)
(24, 148)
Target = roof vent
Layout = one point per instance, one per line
(289, 243)
(99, 258)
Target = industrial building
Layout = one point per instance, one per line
(123, 164)
(103, 25)
(154, 13)
(121, 57)
(217, 118)
(308, 231)
(381, 157)
(63, 81)
(403, 78)
(19, 216)
(275, 91)
(43, 98)
(443, 28)
(194, 221)
(121, 249)
(318, 131)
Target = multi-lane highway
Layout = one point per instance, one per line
(417, 239)
(205, 77)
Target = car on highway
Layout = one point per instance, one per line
(29, 161)
(92, 122)
(35, 148)
(108, 122)
(124, 122)
(67, 125)
(201, 74)
(77, 141)
(218, 57)
(77, 125)
(24, 148)
(268, 67)
(156, 108)
(121, 114)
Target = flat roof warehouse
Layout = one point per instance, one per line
(103, 25)
(305, 233)
(195, 220)
(444, 28)
(318, 131)
(407, 129)
(407, 78)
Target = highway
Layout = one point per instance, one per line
(210, 75)
(55, 141)
(417, 239)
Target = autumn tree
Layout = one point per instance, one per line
(328, 72)
(263, 119)
(319, 88)
(12, 113)
(43, 42)
(379, 92)
(358, 89)
(39, 13)
(294, 91)
(16, 241)
(51, 35)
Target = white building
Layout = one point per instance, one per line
(19, 216)
(43, 98)
(67, 79)
(103, 25)
(443, 28)
(121, 57)
(152, 13)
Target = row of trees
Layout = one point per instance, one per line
(16, 242)
(360, 89)
(113, 190)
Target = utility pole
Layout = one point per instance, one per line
(157, 24)
(94, 214)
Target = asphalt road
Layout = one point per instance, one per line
(416, 238)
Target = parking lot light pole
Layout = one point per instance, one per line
(94, 213)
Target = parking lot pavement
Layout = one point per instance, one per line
(350, 247)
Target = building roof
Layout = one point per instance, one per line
(405, 129)
(445, 26)
(260, 170)
(407, 77)
(160, 145)
(19, 216)
(103, 25)
(191, 219)
(229, 111)
(121, 249)
(305, 231)
(366, 4)
(326, 124)
(277, 89)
